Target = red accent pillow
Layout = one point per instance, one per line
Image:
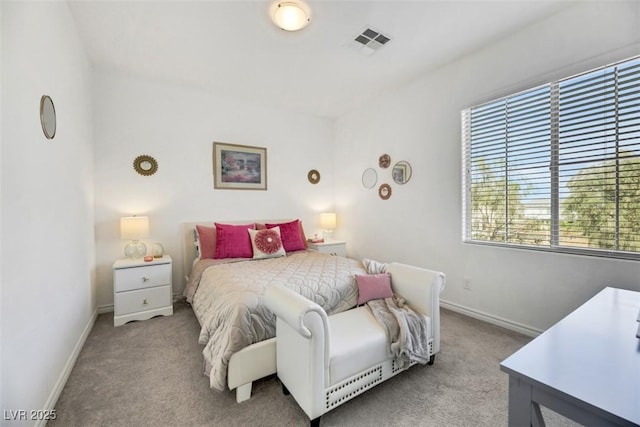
(373, 286)
(233, 241)
(207, 241)
(291, 235)
(266, 243)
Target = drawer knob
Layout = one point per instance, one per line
(145, 279)
(144, 302)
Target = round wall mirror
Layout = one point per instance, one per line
(401, 172)
(369, 178)
(145, 165)
(313, 176)
(47, 116)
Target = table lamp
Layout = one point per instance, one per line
(134, 228)
(328, 223)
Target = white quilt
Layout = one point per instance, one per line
(228, 299)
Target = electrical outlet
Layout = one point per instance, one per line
(467, 283)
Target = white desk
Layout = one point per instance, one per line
(586, 367)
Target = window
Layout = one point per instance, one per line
(557, 167)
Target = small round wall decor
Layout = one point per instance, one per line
(384, 161)
(145, 165)
(313, 176)
(401, 172)
(369, 178)
(384, 191)
(47, 116)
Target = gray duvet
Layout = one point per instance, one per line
(227, 298)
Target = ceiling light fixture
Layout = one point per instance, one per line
(291, 15)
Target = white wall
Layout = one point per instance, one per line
(47, 258)
(177, 126)
(1, 276)
(422, 224)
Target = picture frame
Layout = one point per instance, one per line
(239, 167)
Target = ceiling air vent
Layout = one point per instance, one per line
(369, 41)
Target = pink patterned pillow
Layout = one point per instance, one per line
(267, 243)
(291, 234)
(233, 241)
(373, 286)
(206, 241)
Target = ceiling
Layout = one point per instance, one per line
(232, 49)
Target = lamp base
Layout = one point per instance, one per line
(135, 250)
(327, 234)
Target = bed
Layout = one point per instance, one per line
(237, 331)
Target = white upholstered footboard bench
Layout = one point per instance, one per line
(324, 361)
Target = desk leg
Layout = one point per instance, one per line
(522, 410)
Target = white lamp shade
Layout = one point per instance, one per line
(328, 220)
(134, 227)
(291, 16)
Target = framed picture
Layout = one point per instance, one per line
(239, 167)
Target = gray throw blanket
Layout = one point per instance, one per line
(374, 267)
(406, 329)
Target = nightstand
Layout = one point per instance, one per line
(141, 290)
(332, 247)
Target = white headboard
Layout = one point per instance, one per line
(189, 253)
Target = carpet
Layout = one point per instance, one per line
(151, 374)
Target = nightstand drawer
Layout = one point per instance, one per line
(337, 249)
(141, 300)
(127, 279)
(331, 247)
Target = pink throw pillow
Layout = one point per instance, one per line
(292, 235)
(373, 286)
(207, 241)
(232, 241)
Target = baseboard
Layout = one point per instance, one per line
(64, 375)
(490, 318)
(107, 308)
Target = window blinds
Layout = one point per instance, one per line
(557, 166)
